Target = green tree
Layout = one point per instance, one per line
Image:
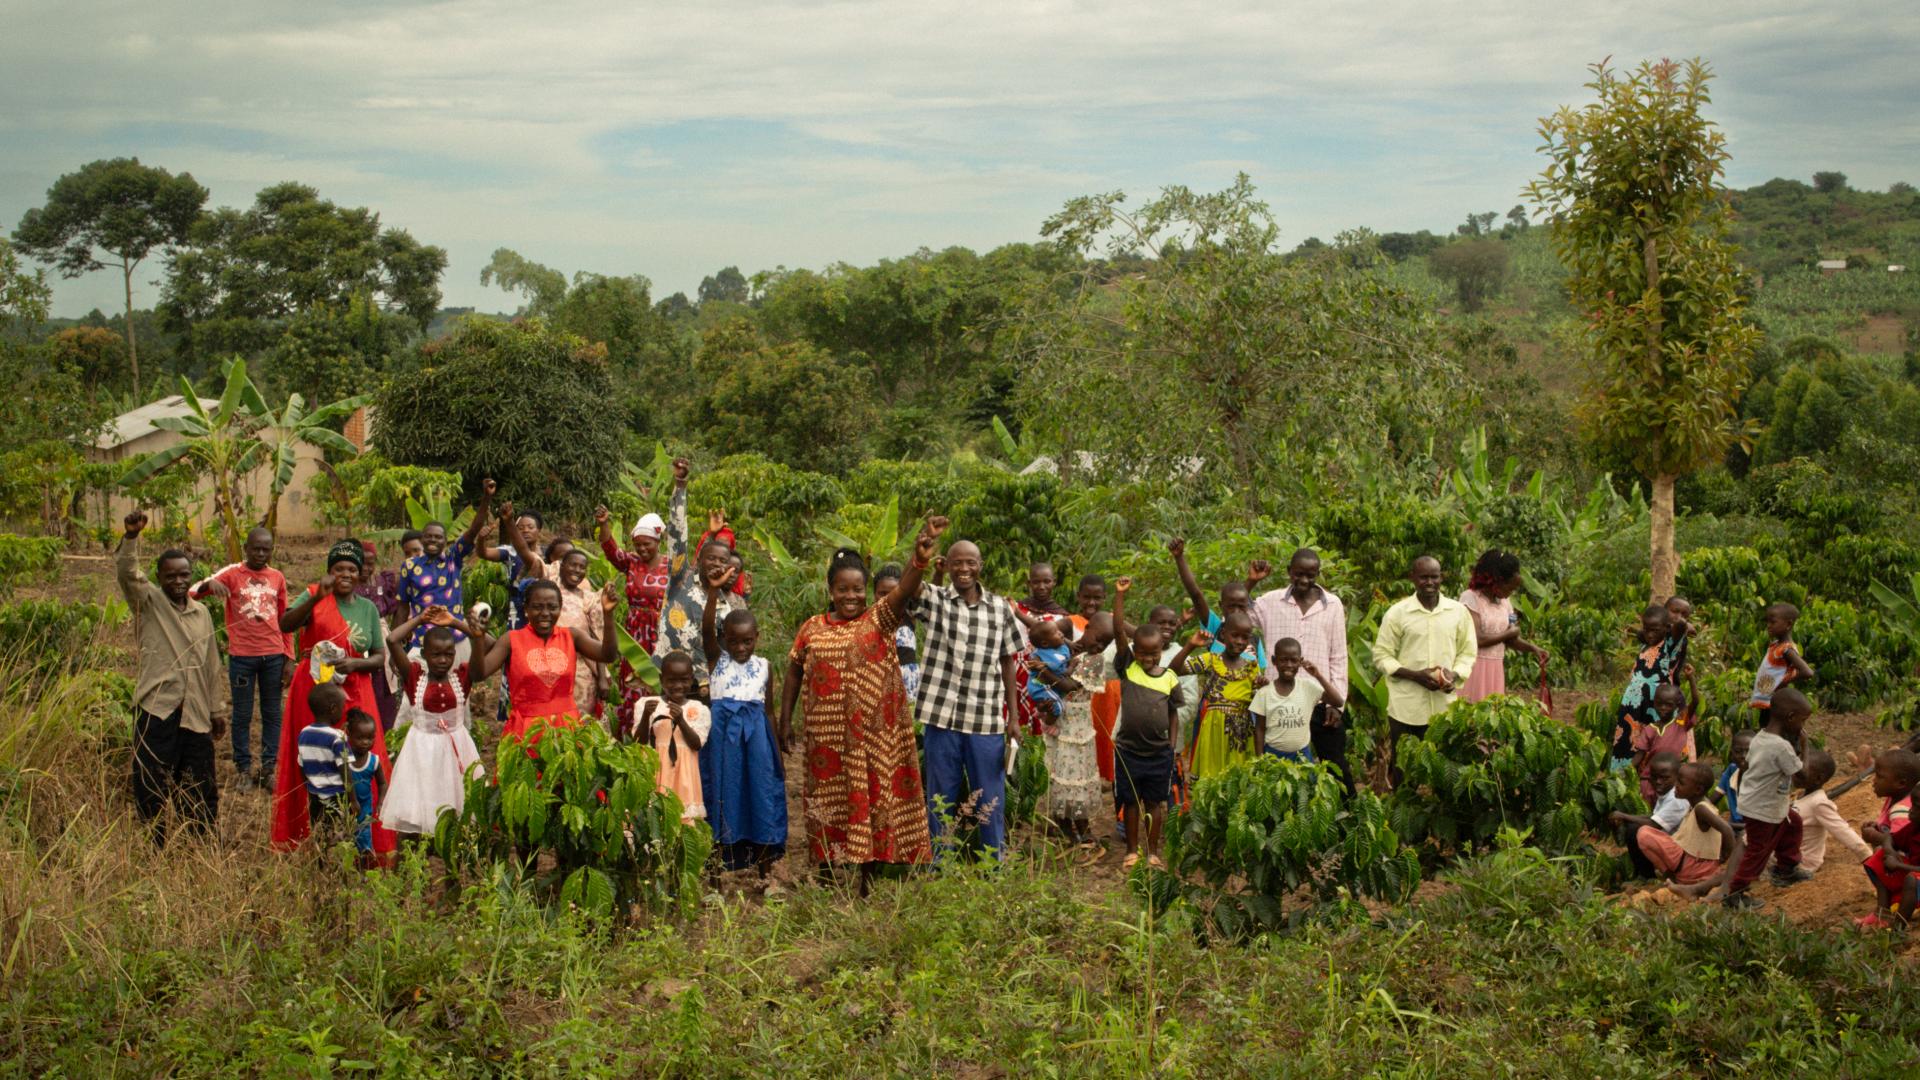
(1222, 354)
(293, 250)
(326, 353)
(1477, 268)
(119, 209)
(94, 355)
(519, 402)
(1829, 183)
(791, 401)
(1632, 191)
(23, 296)
(544, 287)
(729, 286)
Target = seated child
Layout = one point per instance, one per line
(1699, 850)
(1669, 729)
(430, 774)
(1781, 663)
(1894, 866)
(677, 726)
(1284, 706)
(1765, 794)
(1821, 819)
(1727, 789)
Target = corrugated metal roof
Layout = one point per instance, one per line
(129, 426)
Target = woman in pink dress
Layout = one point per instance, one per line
(1495, 626)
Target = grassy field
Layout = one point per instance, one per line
(222, 958)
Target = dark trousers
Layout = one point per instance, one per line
(1330, 743)
(1395, 732)
(966, 778)
(172, 765)
(248, 675)
(1777, 840)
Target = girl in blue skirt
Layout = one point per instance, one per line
(744, 782)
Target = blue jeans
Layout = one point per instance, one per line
(966, 776)
(1304, 755)
(245, 674)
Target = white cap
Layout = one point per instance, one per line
(650, 525)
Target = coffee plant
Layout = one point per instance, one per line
(579, 816)
(1504, 762)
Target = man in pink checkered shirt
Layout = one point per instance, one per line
(1316, 619)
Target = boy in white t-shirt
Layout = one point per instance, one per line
(1283, 707)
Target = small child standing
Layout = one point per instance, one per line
(1894, 865)
(1652, 666)
(1670, 730)
(1284, 706)
(1073, 768)
(1685, 841)
(741, 775)
(1781, 663)
(363, 780)
(678, 727)
(1821, 819)
(1145, 732)
(1765, 792)
(322, 747)
(431, 772)
(906, 646)
(1224, 734)
(1728, 788)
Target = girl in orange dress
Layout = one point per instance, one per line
(540, 659)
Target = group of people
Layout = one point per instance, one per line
(914, 683)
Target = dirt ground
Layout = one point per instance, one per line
(1839, 893)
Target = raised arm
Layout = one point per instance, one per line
(510, 532)
(399, 637)
(605, 648)
(493, 658)
(677, 509)
(481, 512)
(300, 610)
(126, 563)
(1121, 587)
(609, 547)
(1177, 547)
(709, 616)
(908, 586)
(1200, 640)
(1329, 693)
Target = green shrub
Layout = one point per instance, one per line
(23, 557)
(1014, 522)
(1584, 643)
(1504, 763)
(51, 636)
(1849, 564)
(922, 487)
(1858, 659)
(578, 815)
(757, 492)
(1378, 538)
(1029, 783)
(1732, 576)
(1264, 829)
(1217, 560)
(1528, 527)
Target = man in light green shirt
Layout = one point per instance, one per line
(1426, 648)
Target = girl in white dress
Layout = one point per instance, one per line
(430, 773)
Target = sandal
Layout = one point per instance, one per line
(1154, 861)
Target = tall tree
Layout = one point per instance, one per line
(1829, 183)
(23, 295)
(1249, 355)
(728, 286)
(112, 213)
(1631, 190)
(543, 286)
(292, 250)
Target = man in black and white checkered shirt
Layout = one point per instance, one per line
(968, 658)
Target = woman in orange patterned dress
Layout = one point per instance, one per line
(864, 803)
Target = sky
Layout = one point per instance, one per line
(673, 140)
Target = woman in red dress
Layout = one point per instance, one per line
(539, 660)
(864, 804)
(332, 612)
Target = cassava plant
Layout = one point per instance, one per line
(578, 815)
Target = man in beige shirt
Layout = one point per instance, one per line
(179, 700)
(1426, 647)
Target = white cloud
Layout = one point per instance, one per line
(671, 139)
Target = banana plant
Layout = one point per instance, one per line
(882, 542)
(638, 659)
(221, 442)
(1903, 612)
(284, 432)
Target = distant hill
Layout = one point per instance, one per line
(1788, 225)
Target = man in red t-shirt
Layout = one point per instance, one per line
(255, 595)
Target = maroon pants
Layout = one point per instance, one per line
(1778, 840)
